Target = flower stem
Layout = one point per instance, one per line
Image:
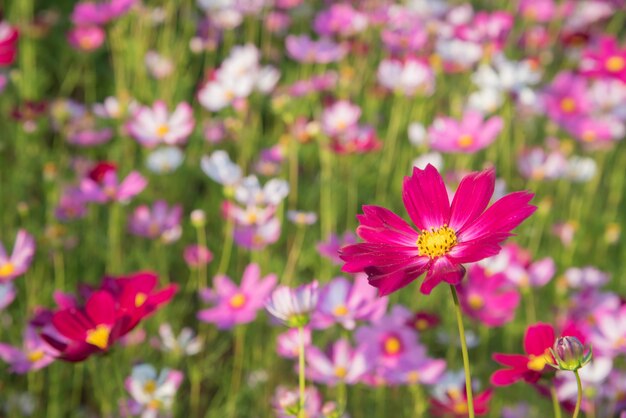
(301, 377)
(466, 366)
(294, 255)
(555, 403)
(579, 399)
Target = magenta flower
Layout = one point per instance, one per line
(609, 336)
(86, 38)
(606, 59)
(7, 294)
(416, 368)
(339, 19)
(21, 257)
(8, 43)
(102, 185)
(197, 255)
(99, 13)
(330, 248)
(35, 355)
(342, 364)
(489, 299)
(394, 254)
(151, 126)
(288, 343)
(567, 98)
(345, 302)
(159, 222)
(236, 305)
(469, 135)
(303, 49)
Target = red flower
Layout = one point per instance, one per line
(466, 231)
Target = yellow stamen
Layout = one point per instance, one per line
(413, 377)
(615, 64)
(7, 269)
(150, 387)
(99, 336)
(140, 299)
(340, 310)
(537, 363)
(35, 356)
(237, 301)
(568, 105)
(465, 140)
(162, 130)
(460, 408)
(154, 404)
(340, 372)
(436, 242)
(392, 345)
(475, 301)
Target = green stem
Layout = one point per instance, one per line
(530, 304)
(342, 397)
(301, 377)
(579, 399)
(294, 255)
(293, 173)
(466, 365)
(555, 403)
(228, 246)
(114, 238)
(202, 273)
(238, 357)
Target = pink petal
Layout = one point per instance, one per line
(380, 225)
(538, 338)
(426, 199)
(101, 308)
(442, 269)
(391, 281)
(471, 198)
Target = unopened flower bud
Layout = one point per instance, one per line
(569, 354)
(198, 218)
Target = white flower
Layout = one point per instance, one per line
(433, 158)
(165, 160)
(220, 168)
(293, 306)
(153, 392)
(581, 169)
(417, 134)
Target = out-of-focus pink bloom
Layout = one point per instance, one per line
(7, 294)
(197, 255)
(84, 133)
(566, 98)
(609, 335)
(394, 254)
(270, 160)
(537, 164)
(158, 66)
(236, 305)
(291, 306)
(339, 19)
(35, 355)
(417, 368)
(102, 185)
(20, 259)
(594, 130)
(516, 264)
(340, 117)
(585, 277)
(99, 13)
(489, 299)
(288, 343)
(8, 43)
(159, 222)
(187, 343)
(345, 302)
(565, 231)
(537, 10)
(593, 375)
(152, 392)
(303, 49)
(277, 22)
(286, 402)
(450, 398)
(408, 76)
(488, 29)
(317, 83)
(86, 38)
(605, 59)
(342, 364)
(361, 139)
(71, 205)
(151, 126)
(330, 248)
(472, 133)
(301, 218)
(406, 35)
(259, 235)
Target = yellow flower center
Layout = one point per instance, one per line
(615, 64)
(140, 299)
(340, 310)
(475, 301)
(413, 377)
(460, 408)
(237, 301)
(340, 372)
(162, 130)
(421, 324)
(7, 269)
(150, 387)
(465, 140)
(568, 105)
(154, 404)
(392, 346)
(35, 356)
(589, 136)
(537, 363)
(99, 336)
(436, 242)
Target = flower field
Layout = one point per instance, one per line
(313, 209)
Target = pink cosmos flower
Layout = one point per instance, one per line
(100, 13)
(151, 126)
(7, 294)
(408, 76)
(159, 222)
(35, 355)
(286, 402)
(293, 306)
(489, 299)
(345, 302)
(405, 35)
(288, 343)
(450, 398)
(8, 43)
(538, 340)
(341, 364)
(606, 59)
(330, 248)
(21, 257)
(394, 254)
(86, 38)
(488, 29)
(609, 335)
(416, 368)
(340, 117)
(71, 205)
(537, 10)
(566, 98)
(359, 140)
(102, 185)
(197, 255)
(236, 305)
(468, 135)
(303, 49)
(339, 19)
